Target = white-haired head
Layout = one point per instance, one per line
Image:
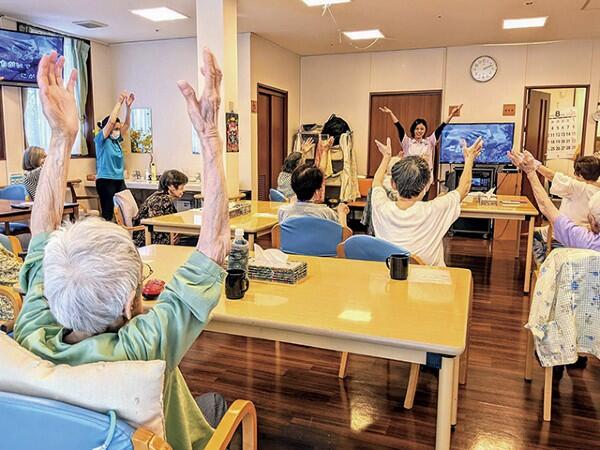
(91, 269)
(594, 213)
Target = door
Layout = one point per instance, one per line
(407, 107)
(272, 137)
(535, 132)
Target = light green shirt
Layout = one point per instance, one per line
(166, 332)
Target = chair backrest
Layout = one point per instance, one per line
(311, 236)
(364, 184)
(276, 196)
(14, 192)
(30, 422)
(125, 202)
(369, 248)
(11, 243)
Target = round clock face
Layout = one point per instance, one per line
(484, 68)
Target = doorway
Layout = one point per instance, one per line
(407, 106)
(543, 106)
(272, 118)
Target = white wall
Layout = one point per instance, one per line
(151, 70)
(341, 84)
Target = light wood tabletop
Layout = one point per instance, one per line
(353, 306)
(508, 205)
(262, 217)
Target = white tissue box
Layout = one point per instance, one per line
(292, 273)
(488, 201)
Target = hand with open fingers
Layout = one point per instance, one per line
(307, 146)
(58, 99)
(474, 150)
(456, 110)
(518, 159)
(204, 112)
(386, 150)
(130, 99)
(385, 109)
(123, 96)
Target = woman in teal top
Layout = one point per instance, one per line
(110, 163)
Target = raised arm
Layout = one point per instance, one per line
(544, 171)
(128, 102)
(471, 153)
(397, 124)
(214, 239)
(386, 152)
(452, 115)
(114, 115)
(60, 109)
(527, 164)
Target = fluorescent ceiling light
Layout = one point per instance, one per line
(324, 2)
(532, 22)
(161, 14)
(365, 34)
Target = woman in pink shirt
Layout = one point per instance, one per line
(417, 144)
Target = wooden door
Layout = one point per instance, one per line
(407, 107)
(535, 132)
(272, 137)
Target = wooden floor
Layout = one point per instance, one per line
(302, 405)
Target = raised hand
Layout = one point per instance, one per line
(385, 109)
(58, 100)
(524, 161)
(455, 111)
(129, 100)
(307, 146)
(204, 112)
(386, 150)
(474, 150)
(123, 97)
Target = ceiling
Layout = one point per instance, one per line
(291, 24)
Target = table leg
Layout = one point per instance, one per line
(529, 256)
(455, 379)
(518, 243)
(148, 234)
(444, 406)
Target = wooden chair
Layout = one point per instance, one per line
(291, 236)
(12, 244)
(369, 248)
(120, 221)
(17, 304)
(76, 198)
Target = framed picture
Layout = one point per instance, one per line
(232, 132)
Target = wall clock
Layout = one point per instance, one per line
(484, 68)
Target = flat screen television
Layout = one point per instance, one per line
(20, 54)
(498, 140)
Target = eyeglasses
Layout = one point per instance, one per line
(147, 271)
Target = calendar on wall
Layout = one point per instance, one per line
(562, 134)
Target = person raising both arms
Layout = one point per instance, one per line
(418, 143)
(110, 163)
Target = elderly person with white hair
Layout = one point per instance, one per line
(83, 280)
(566, 231)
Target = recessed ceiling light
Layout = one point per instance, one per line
(160, 14)
(532, 22)
(324, 2)
(365, 34)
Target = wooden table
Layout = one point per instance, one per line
(523, 210)
(10, 214)
(354, 306)
(259, 222)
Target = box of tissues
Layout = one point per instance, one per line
(239, 209)
(273, 265)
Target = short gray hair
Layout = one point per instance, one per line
(91, 267)
(411, 175)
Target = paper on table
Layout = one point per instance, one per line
(427, 275)
(197, 219)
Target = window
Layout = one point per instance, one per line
(37, 130)
(141, 130)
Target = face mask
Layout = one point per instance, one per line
(115, 135)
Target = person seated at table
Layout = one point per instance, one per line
(575, 192)
(171, 186)
(284, 179)
(33, 160)
(308, 183)
(83, 280)
(565, 230)
(409, 222)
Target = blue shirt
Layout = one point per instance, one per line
(110, 163)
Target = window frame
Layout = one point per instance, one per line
(89, 101)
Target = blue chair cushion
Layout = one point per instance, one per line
(310, 236)
(31, 423)
(14, 192)
(369, 248)
(276, 196)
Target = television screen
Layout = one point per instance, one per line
(498, 140)
(20, 54)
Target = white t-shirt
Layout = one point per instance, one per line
(575, 197)
(301, 209)
(421, 228)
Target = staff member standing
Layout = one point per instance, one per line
(110, 164)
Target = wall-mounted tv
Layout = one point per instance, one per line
(20, 54)
(498, 140)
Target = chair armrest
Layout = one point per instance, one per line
(136, 228)
(241, 411)
(143, 439)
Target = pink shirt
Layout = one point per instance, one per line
(424, 148)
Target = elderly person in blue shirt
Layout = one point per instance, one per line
(83, 280)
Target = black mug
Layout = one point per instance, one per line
(398, 265)
(236, 284)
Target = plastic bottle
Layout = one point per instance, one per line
(238, 256)
(153, 171)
